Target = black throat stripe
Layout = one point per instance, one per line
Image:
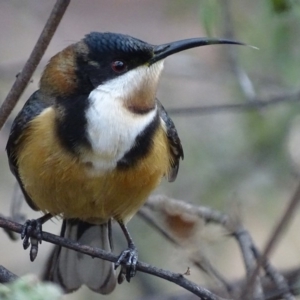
(71, 126)
(142, 146)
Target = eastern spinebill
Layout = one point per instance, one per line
(91, 144)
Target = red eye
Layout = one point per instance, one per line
(118, 66)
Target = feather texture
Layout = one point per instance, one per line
(72, 269)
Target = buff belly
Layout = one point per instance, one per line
(59, 183)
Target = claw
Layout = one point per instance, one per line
(34, 248)
(28, 228)
(24, 229)
(129, 258)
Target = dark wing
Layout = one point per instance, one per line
(33, 107)
(174, 142)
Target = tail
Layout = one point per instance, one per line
(71, 269)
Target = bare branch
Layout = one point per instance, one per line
(159, 202)
(163, 203)
(271, 291)
(284, 221)
(235, 228)
(34, 59)
(156, 203)
(176, 278)
(204, 266)
(243, 79)
(255, 104)
(276, 277)
(293, 279)
(6, 276)
(245, 242)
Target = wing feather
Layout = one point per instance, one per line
(174, 142)
(33, 107)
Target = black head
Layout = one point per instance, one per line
(101, 57)
(111, 55)
(115, 66)
(104, 47)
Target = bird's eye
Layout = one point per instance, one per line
(119, 66)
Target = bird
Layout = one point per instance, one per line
(90, 145)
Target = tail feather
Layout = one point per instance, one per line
(72, 269)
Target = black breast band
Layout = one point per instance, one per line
(142, 146)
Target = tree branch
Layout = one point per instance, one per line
(176, 278)
(201, 263)
(242, 77)
(35, 57)
(271, 291)
(6, 276)
(282, 224)
(234, 227)
(255, 104)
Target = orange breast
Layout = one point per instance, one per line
(60, 184)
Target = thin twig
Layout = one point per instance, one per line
(271, 291)
(6, 275)
(34, 59)
(245, 243)
(293, 281)
(158, 202)
(278, 279)
(176, 278)
(12, 235)
(15, 210)
(243, 79)
(162, 203)
(206, 266)
(255, 104)
(284, 221)
(144, 213)
(235, 228)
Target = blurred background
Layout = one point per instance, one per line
(243, 162)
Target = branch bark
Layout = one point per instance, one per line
(255, 104)
(176, 278)
(233, 226)
(279, 229)
(271, 291)
(36, 55)
(6, 275)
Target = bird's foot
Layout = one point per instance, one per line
(29, 227)
(128, 259)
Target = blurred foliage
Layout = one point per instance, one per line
(281, 6)
(209, 14)
(273, 70)
(258, 144)
(29, 288)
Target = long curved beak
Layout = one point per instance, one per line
(162, 51)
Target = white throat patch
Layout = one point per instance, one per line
(111, 128)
